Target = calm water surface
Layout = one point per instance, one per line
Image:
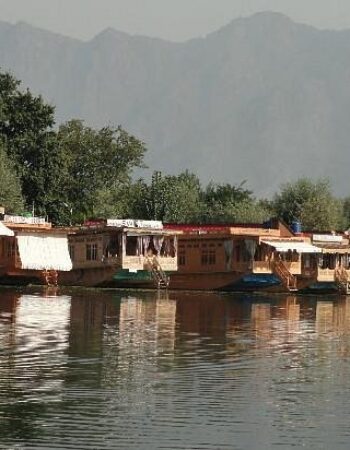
(90, 369)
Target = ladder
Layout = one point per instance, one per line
(288, 279)
(342, 280)
(159, 277)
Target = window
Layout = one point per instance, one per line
(208, 257)
(71, 251)
(204, 258)
(212, 257)
(11, 248)
(91, 252)
(131, 246)
(238, 253)
(182, 259)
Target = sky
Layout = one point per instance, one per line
(175, 20)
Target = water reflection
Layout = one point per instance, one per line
(114, 369)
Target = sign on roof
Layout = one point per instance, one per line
(26, 220)
(131, 223)
(327, 238)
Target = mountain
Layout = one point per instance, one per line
(263, 99)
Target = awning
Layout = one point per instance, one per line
(333, 250)
(4, 231)
(44, 252)
(299, 247)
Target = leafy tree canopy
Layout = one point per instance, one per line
(93, 166)
(310, 202)
(170, 198)
(10, 187)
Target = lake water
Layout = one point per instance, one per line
(93, 369)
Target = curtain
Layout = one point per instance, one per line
(145, 240)
(228, 246)
(139, 246)
(175, 246)
(167, 247)
(158, 242)
(250, 245)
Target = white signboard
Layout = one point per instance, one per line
(26, 220)
(131, 223)
(327, 238)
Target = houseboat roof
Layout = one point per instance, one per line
(98, 228)
(273, 227)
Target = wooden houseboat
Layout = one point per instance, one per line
(114, 253)
(32, 251)
(240, 257)
(328, 270)
(121, 253)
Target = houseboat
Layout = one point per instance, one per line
(240, 257)
(111, 253)
(329, 269)
(121, 253)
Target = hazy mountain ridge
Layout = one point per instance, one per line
(262, 99)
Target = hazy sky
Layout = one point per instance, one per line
(169, 19)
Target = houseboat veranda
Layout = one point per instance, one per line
(260, 257)
(121, 253)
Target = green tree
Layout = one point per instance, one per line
(10, 187)
(94, 166)
(346, 212)
(169, 198)
(230, 203)
(115, 202)
(310, 202)
(26, 129)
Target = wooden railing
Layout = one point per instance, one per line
(342, 279)
(325, 275)
(266, 267)
(262, 267)
(160, 278)
(288, 279)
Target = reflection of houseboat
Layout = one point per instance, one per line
(240, 257)
(117, 253)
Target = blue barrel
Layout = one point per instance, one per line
(296, 227)
(267, 224)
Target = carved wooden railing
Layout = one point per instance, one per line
(287, 279)
(342, 279)
(159, 276)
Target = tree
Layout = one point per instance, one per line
(94, 167)
(10, 187)
(169, 198)
(229, 203)
(25, 128)
(309, 202)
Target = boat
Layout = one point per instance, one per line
(145, 254)
(240, 257)
(112, 253)
(329, 269)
